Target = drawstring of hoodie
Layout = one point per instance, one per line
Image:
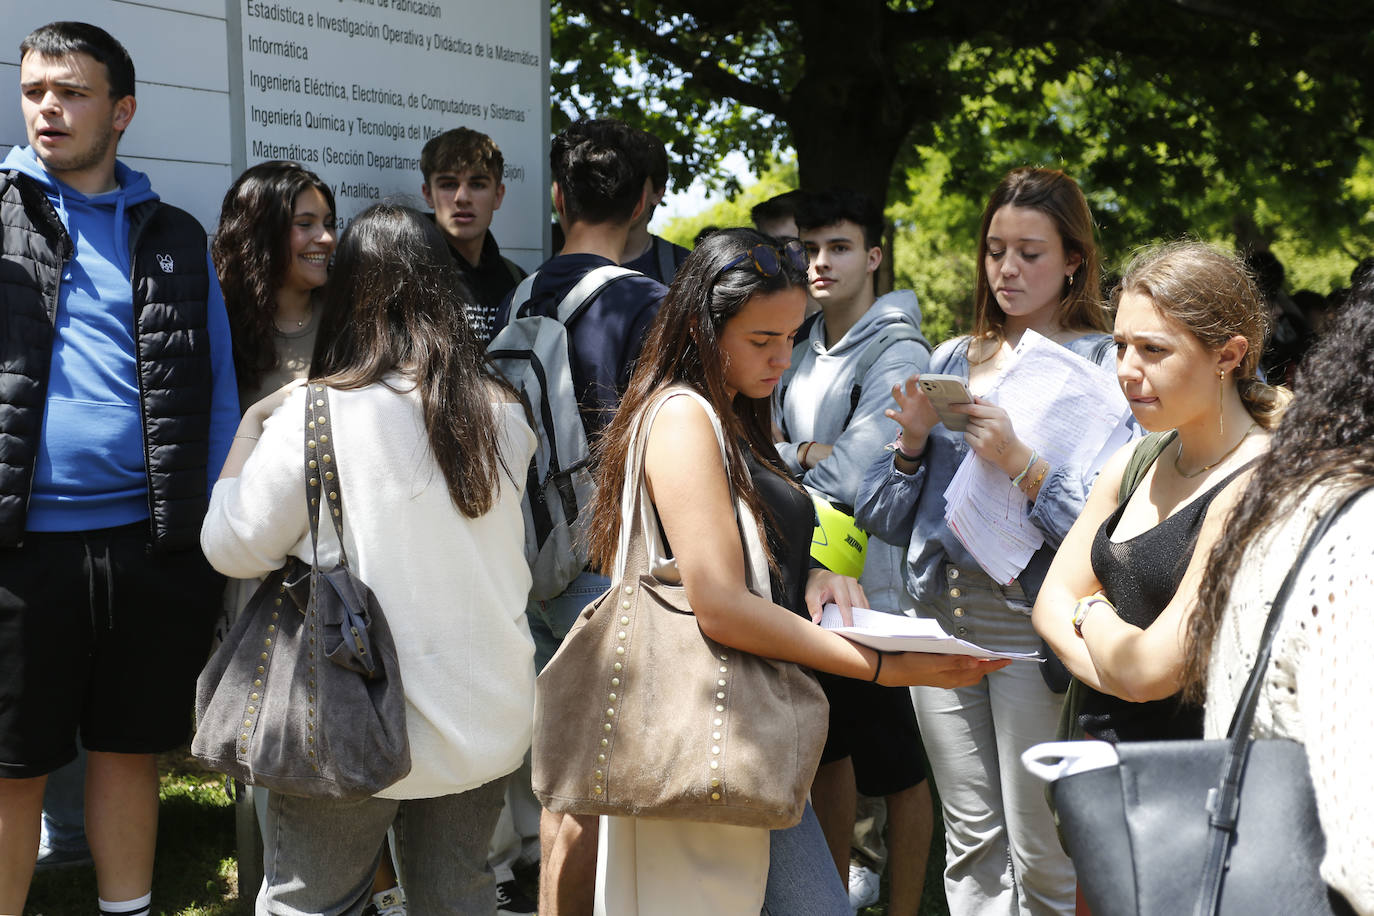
(101, 568)
(122, 238)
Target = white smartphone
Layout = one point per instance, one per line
(943, 391)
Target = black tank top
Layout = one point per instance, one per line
(788, 523)
(1140, 577)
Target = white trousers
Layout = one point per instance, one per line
(650, 867)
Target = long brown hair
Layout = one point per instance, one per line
(394, 303)
(1211, 294)
(1057, 196)
(683, 348)
(1326, 438)
(252, 253)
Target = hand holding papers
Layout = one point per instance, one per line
(1071, 411)
(897, 633)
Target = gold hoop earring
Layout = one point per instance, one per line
(1221, 402)
(1070, 281)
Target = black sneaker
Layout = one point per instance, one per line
(511, 901)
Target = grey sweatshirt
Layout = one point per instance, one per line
(816, 401)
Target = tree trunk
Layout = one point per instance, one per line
(848, 113)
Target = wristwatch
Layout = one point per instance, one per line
(1081, 608)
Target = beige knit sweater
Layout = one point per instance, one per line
(1319, 689)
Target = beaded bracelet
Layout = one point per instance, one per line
(1028, 486)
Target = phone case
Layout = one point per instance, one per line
(944, 390)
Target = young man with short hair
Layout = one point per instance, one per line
(832, 439)
(463, 171)
(650, 255)
(599, 191)
(120, 405)
(777, 216)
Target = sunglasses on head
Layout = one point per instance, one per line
(767, 259)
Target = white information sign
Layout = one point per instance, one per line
(354, 88)
(351, 89)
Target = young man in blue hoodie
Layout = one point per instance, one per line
(831, 439)
(117, 406)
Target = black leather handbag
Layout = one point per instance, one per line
(1203, 827)
(304, 696)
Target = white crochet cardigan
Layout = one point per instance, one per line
(1319, 689)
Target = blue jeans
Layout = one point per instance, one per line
(64, 807)
(802, 880)
(551, 620)
(320, 855)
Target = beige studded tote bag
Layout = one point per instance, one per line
(639, 714)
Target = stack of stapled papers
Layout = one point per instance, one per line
(898, 633)
(1072, 412)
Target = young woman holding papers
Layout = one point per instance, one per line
(1037, 275)
(1117, 601)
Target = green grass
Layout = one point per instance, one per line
(197, 872)
(196, 875)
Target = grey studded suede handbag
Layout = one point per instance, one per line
(641, 714)
(304, 696)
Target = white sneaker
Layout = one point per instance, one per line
(863, 886)
(386, 903)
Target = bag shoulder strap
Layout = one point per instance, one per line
(1146, 451)
(636, 507)
(323, 484)
(1223, 801)
(876, 348)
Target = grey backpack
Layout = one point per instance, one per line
(531, 352)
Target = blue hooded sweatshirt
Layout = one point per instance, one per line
(90, 471)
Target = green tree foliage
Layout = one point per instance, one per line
(1234, 120)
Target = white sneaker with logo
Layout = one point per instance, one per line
(387, 903)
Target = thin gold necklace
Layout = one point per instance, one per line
(1207, 467)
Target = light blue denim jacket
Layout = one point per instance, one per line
(910, 508)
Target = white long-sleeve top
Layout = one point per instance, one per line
(1318, 689)
(453, 588)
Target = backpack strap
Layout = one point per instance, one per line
(803, 340)
(1146, 451)
(520, 298)
(588, 288)
(876, 347)
(1101, 350)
